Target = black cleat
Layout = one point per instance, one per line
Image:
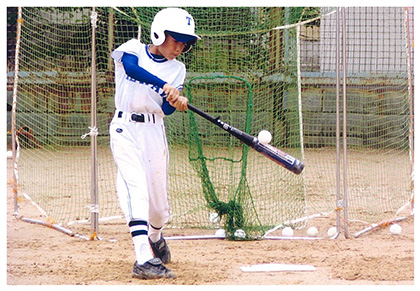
(161, 250)
(152, 269)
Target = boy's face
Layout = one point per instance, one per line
(171, 48)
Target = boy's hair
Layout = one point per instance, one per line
(188, 40)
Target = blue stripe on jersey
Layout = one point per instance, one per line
(155, 58)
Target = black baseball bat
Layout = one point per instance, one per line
(287, 161)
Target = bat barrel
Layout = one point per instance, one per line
(280, 157)
(296, 166)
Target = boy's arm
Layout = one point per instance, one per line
(131, 67)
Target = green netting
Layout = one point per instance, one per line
(257, 68)
(209, 161)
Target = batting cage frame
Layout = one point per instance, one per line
(342, 105)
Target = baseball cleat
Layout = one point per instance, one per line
(161, 250)
(152, 269)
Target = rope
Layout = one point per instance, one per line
(93, 132)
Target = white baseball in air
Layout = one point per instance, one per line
(240, 233)
(287, 231)
(264, 137)
(312, 231)
(332, 231)
(214, 217)
(395, 229)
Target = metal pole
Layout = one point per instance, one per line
(286, 35)
(299, 76)
(111, 28)
(409, 48)
(94, 132)
(344, 57)
(15, 89)
(337, 124)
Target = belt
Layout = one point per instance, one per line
(137, 117)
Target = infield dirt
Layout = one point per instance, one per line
(38, 255)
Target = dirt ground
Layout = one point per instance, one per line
(38, 255)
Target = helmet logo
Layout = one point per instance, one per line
(188, 19)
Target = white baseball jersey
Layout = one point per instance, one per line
(134, 96)
(139, 146)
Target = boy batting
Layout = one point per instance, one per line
(148, 81)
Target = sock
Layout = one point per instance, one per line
(139, 233)
(155, 233)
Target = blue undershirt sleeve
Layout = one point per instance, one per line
(133, 70)
(131, 67)
(167, 108)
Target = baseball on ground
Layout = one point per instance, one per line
(214, 217)
(312, 231)
(332, 231)
(240, 233)
(395, 229)
(287, 231)
(220, 233)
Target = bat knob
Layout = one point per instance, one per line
(298, 167)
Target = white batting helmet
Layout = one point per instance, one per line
(178, 23)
